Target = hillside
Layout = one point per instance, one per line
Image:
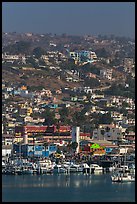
(35, 78)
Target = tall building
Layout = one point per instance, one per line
(76, 136)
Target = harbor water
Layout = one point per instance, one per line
(76, 187)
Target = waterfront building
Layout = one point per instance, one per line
(35, 150)
(6, 150)
(50, 149)
(41, 134)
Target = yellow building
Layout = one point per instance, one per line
(29, 111)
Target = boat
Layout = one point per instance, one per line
(73, 168)
(123, 169)
(86, 168)
(44, 166)
(3, 167)
(58, 168)
(96, 167)
(128, 177)
(132, 168)
(28, 170)
(9, 170)
(116, 178)
(112, 168)
(18, 170)
(120, 177)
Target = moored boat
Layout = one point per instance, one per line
(59, 169)
(96, 167)
(120, 177)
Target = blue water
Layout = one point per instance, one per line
(62, 188)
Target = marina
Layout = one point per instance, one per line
(21, 166)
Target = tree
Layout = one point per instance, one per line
(31, 60)
(102, 53)
(69, 65)
(92, 82)
(64, 112)
(125, 104)
(127, 131)
(58, 151)
(38, 52)
(42, 62)
(78, 119)
(74, 145)
(105, 118)
(49, 117)
(21, 47)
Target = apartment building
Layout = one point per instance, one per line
(107, 132)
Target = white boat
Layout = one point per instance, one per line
(58, 168)
(123, 168)
(132, 168)
(66, 164)
(128, 177)
(119, 177)
(112, 168)
(44, 166)
(26, 168)
(96, 167)
(116, 178)
(3, 164)
(73, 168)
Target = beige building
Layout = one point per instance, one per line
(106, 73)
(107, 132)
(128, 64)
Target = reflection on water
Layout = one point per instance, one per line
(73, 187)
(75, 180)
(57, 180)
